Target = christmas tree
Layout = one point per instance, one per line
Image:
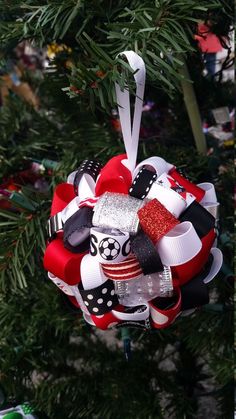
(64, 114)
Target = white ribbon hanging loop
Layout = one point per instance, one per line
(131, 133)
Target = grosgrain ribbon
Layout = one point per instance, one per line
(62, 263)
(175, 249)
(171, 200)
(215, 266)
(86, 176)
(164, 311)
(156, 164)
(169, 182)
(109, 245)
(101, 299)
(142, 183)
(77, 230)
(189, 186)
(195, 292)
(137, 313)
(65, 218)
(63, 286)
(114, 177)
(184, 272)
(210, 193)
(209, 201)
(71, 291)
(146, 253)
(63, 194)
(91, 273)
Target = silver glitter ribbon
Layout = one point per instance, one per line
(146, 288)
(114, 210)
(166, 284)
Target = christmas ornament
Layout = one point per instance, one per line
(29, 56)
(55, 49)
(132, 244)
(12, 82)
(26, 57)
(23, 411)
(12, 189)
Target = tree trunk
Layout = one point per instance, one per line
(193, 109)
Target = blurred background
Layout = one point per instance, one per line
(57, 107)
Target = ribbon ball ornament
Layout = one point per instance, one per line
(132, 244)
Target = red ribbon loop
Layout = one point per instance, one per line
(63, 194)
(189, 186)
(114, 177)
(183, 273)
(62, 263)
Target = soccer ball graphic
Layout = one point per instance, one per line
(109, 248)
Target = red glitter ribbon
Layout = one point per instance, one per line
(156, 220)
(125, 270)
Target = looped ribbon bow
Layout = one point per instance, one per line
(132, 244)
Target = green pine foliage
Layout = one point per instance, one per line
(48, 354)
(100, 30)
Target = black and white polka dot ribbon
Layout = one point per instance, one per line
(101, 299)
(89, 169)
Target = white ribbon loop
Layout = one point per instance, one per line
(137, 315)
(179, 245)
(71, 177)
(63, 286)
(131, 133)
(156, 164)
(70, 209)
(86, 187)
(209, 201)
(216, 265)
(71, 290)
(86, 192)
(91, 273)
(210, 193)
(88, 319)
(171, 200)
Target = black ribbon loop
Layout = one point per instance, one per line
(146, 253)
(195, 292)
(77, 230)
(90, 167)
(142, 183)
(202, 220)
